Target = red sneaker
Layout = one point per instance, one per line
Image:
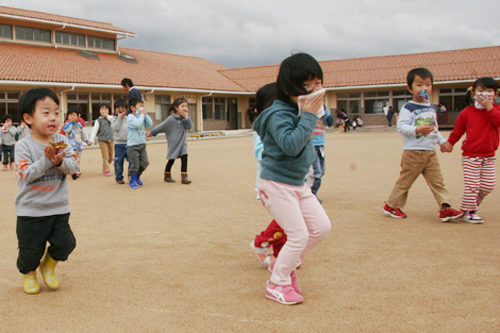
(449, 214)
(393, 212)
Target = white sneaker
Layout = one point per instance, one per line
(474, 218)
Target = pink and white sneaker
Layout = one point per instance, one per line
(263, 253)
(283, 294)
(293, 275)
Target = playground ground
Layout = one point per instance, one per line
(176, 258)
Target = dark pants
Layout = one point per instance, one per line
(184, 164)
(33, 233)
(8, 153)
(120, 157)
(138, 159)
(319, 168)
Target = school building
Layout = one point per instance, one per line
(83, 63)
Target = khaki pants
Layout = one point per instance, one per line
(414, 163)
(107, 154)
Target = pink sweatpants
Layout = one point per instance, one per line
(479, 180)
(302, 218)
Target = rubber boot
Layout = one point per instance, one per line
(30, 284)
(168, 177)
(47, 268)
(138, 180)
(132, 183)
(185, 179)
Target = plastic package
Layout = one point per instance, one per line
(321, 111)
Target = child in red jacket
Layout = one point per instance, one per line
(480, 124)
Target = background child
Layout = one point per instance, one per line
(417, 123)
(42, 207)
(175, 127)
(8, 135)
(23, 130)
(102, 129)
(267, 245)
(76, 136)
(137, 121)
(319, 146)
(120, 133)
(480, 124)
(288, 154)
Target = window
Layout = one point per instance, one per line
(453, 98)
(5, 31)
(98, 99)
(220, 108)
(350, 102)
(101, 43)
(33, 34)
(207, 107)
(9, 103)
(70, 39)
(162, 104)
(80, 99)
(399, 98)
(375, 102)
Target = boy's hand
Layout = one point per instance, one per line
(446, 147)
(148, 134)
(89, 143)
(425, 129)
(122, 114)
(184, 114)
(50, 152)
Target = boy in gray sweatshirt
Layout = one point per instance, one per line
(8, 139)
(120, 132)
(42, 207)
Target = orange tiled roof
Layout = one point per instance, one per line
(62, 19)
(466, 64)
(155, 69)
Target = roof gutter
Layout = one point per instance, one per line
(129, 34)
(54, 34)
(119, 87)
(397, 85)
(62, 98)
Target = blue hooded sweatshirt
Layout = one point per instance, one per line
(288, 143)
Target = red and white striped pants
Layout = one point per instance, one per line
(479, 180)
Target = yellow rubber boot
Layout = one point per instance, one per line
(47, 267)
(30, 284)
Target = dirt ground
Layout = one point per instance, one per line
(172, 257)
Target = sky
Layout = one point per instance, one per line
(241, 33)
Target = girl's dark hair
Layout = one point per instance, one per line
(27, 102)
(264, 98)
(178, 101)
(485, 83)
(7, 116)
(294, 71)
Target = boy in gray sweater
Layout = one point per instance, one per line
(8, 140)
(43, 160)
(120, 132)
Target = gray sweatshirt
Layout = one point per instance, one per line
(43, 190)
(120, 130)
(174, 127)
(9, 137)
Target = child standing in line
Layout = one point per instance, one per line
(288, 154)
(120, 132)
(267, 245)
(137, 122)
(8, 142)
(42, 207)
(480, 124)
(23, 130)
(76, 136)
(175, 127)
(319, 146)
(102, 129)
(417, 123)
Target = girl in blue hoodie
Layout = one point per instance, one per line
(288, 154)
